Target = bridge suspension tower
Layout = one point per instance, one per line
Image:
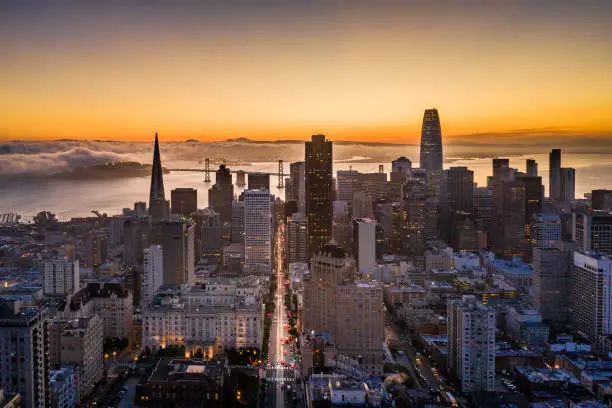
(281, 176)
(207, 170)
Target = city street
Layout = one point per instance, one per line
(279, 375)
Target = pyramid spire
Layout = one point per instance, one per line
(157, 194)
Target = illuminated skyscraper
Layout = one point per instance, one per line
(431, 141)
(318, 183)
(159, 208)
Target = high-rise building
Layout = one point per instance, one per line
(567, 177)
(591, 296)
(471, 344)
(184, 201)
(115, 229)
(221, 194)
(259, 181)
(153, 277)
(531, 168)
(373, 184)
(211, 234)
(364, 243)
(461, 189)
(297, 174)
(534, 197)
(318, 184)
(61, 276)
(501, 168)
(601, 199)
(551, 282)
(554, 175)
(592, 231)
(508, 229)
(415, 212)
(483, 209)
(347, 181)
(353, 311)
(81, 348)
(178, 238)
(362, 205)
(545, 230)
(159, 208)
(257, 231)
(237, 227)
(223, 176)
(297, 238)
(137, 235)
(431, 141)
(401, 165)
(24, 346)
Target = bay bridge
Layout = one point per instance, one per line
(240, 174)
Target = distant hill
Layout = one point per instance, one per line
(108, 171)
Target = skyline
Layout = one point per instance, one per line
(354, 71)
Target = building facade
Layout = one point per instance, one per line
(258, 231)
(471, 344)
(318, 186)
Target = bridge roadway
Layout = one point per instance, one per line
(233, 171)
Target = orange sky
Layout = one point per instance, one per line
(354, 73)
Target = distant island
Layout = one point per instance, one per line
(108, 171)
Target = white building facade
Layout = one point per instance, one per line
(257, 231)
(153, 276)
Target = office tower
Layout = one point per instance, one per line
(334, 302)
(534, 197)
(601, 199)
(461, 189)
(158, 206)
(137, 235)
(463, 235)
(115, 229)
(223, 175)
(347, 181)
(178, 236)
(551, 282)
(259, 181)
(184, 201)
(431, 141)
(373, 184)
(211, 235)
(297, 238)
(318, 184)
(289, 191)
(364, 243)
(554, 175)
(362, 205)
(592, 231)
(531, 168)
(501, 168)
(221, 194)
(591, 296)
(545, 230)
(237, 227)
(567, 180)
(24, 344)
(257, 232)
(483, 208)
(401, 165)
(81, 348)
(297, 174)
(153, 276)
(61, 276)
(471, 344)
(508, 228)
(414, 198)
